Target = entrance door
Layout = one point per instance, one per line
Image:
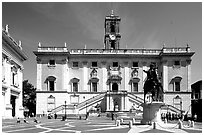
(13, 103)
(117, 104)
(115, 87)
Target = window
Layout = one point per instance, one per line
(112, 27)
(75, 64)
(177, 101)
(176, 82)
(52, 62)
(13, 78)
(50, 103)
(177, 63)
(115, 64)
(113, 44)
(75, 87)
(177, 86)
(197, 96)
(52, 85)
(135, 64)
(94, 86)
(94, 64)
(135, 87)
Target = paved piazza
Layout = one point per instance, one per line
(92, 125)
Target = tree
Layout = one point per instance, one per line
(29, 97)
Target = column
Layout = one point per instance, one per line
(39, 74)
(165, 75)
(104, 70)
(127, 76)
(85, 73)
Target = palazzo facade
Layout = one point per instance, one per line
(111, 78)
(12, 76)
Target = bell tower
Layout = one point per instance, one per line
(112, 31)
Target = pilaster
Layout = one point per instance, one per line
(85, 73)
(165, 75)
(188, 62)
(104, 70)
(127, 76)
(65, 75)
(39, 74)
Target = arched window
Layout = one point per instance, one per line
(75, 82)
(176, 81)
(51, 80)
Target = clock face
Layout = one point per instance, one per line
(112, 37)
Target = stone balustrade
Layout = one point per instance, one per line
(52, 49)
(117, 51)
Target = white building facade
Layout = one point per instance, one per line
(12, 76)
(110, 78)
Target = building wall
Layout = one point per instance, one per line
(180, 71)
(64, 72)
(12, 63)
(185, 99)
(57, 71)
(60, 98)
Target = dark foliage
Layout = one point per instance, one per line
(29, 97)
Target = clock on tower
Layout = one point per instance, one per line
(112, 34)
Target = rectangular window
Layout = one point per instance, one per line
(196, 95)
(135, 87)
(13, 78)
(113, 44)
(94, 87)
(94, 64)
(177, 63)
(112, 27)
(115, 64)
(52, 62)
(75, 87)
(177, 86)
(75, 64)
(52, 85)
(135, 64)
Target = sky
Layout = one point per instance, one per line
(143, 25)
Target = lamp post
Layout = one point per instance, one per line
(65, 111)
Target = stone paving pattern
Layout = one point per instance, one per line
(92, 125)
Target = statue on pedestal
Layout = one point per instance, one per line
(153, 85)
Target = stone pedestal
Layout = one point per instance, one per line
(152, 112)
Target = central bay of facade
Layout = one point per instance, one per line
(109, 79)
